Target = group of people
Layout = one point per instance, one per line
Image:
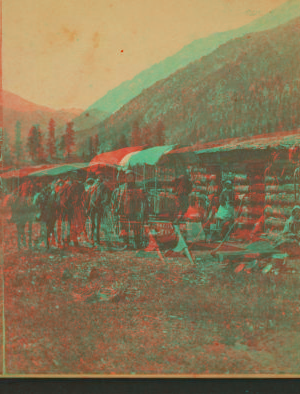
(225, 215)
(68, 208)
(218, 212)
(220, 215)
(65, 206)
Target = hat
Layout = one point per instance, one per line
(268, 209)
(129, 172)
(296, 208)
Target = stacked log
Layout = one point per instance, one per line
(204, 184)
(244, 216)
(280, 196)
(253, 192)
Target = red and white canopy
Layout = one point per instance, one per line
(114, 158)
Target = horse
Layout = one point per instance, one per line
(98, 197)
(76, 213)
(22, 212)
(46, 200)
(69, 197)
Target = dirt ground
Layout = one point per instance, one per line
(87, 311)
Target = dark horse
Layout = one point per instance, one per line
(46, 200)
(97, 198)
(69, 197)
(22, 212)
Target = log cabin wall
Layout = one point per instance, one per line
(280, 194)
(260, 184)
(205, 184)
(262, 177)
(253, 201)
(260, 181)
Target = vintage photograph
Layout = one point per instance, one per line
(150, 188)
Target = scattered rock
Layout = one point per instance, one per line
(67, 274)
(42, 280)
(189, 271)
(118, 297)
(18, 280)
(94, 274)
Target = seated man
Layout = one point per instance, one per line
(291, 232)
(292, 225)
(259, 227)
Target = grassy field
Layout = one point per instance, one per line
(87, 311)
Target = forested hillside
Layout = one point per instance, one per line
(248, 86)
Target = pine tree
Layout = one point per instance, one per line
(18, 143)
(57, 147)
(51, 143)
(5, 150)
(69, 139)
(33, 143)
(105, 146)
(146, 137)
(96, 144)
(122, 142)
(91, 148)
(40, 149)
(136, 139)
(158, 134)
(62, 145)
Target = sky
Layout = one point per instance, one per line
(70, 53)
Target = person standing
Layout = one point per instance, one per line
(182, 187)
(134, 209)
(225, 213)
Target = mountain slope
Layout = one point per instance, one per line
(247, 86)
(15, 108)
(126, 91)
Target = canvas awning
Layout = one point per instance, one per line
(184, 155)
(26, 171)
(161, 155)
(60, 169)
(149, 156)
(114, 158)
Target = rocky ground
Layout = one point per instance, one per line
(90, 311)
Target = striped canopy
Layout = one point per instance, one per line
(149, 156)
(114, 158)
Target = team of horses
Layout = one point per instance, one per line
(63, 204)
(64, 207)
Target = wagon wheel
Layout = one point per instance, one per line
(111, 228)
